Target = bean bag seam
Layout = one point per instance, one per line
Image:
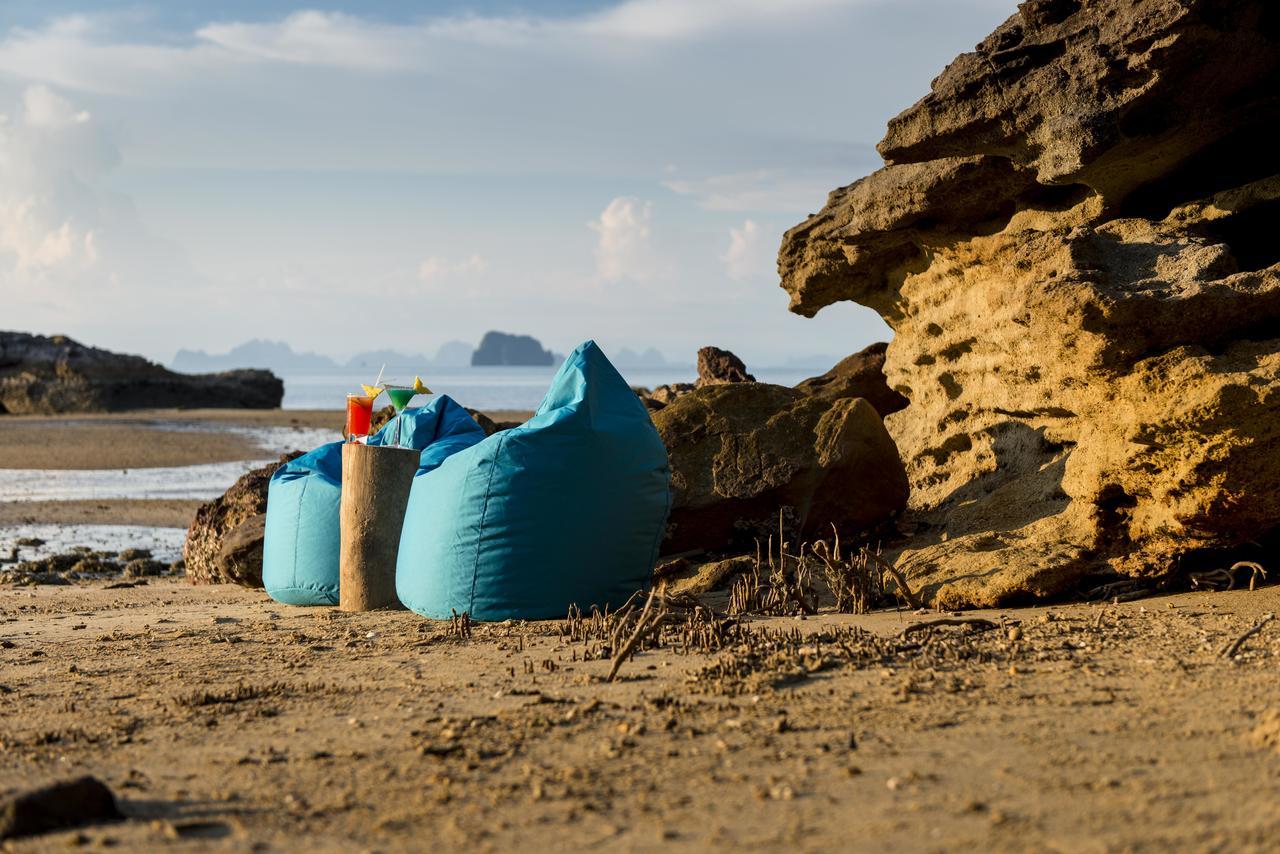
(484, 512)
(297, 526)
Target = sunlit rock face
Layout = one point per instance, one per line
(1076, 240)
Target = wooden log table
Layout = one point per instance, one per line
(375, 490)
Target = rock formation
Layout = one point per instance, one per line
(859, 375)
(224, 542)
(1074, 240)
(716, 366)
(739, 452)
(499, 348)
(40, 375)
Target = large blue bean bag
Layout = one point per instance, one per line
(300, 554)
(567, 508)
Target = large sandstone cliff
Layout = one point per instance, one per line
(1076, 240)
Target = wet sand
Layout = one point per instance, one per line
(164, 513)
(224, 720)
(138, 440)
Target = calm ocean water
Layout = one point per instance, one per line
(489, 388)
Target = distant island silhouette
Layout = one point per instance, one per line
(501, 348)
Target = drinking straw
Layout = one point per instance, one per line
(380, 370)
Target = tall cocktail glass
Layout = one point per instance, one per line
(359, 416)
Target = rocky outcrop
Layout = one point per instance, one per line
(1074, 242)
(499, 348)
(859, 375)
(40, 375)
(740, 452)
(224, 542)
(716, 366)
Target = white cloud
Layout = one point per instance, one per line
(434, 267)
(749, 255)
(623, 248)
(81, 51)
(70, 249)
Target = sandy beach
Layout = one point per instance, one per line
(224, 720)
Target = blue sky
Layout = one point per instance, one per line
(341, 175)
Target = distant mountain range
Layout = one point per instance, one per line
(281, 358)
(497, 348)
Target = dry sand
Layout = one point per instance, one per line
(224, 720)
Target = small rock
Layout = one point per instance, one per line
(75, 803)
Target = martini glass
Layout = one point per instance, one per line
(400, 396)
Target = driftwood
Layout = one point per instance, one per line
(649, 621)
(898, 578)
(1231, 649)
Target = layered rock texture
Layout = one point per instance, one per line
(1076, 240)
(740, 452)
(50, 375)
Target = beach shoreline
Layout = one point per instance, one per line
(138, 441)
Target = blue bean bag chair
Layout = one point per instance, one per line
(300, 553)
(569, 507)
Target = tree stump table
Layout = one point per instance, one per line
(375, 490)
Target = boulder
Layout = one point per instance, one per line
(716, 366)
(740, 452)
(210, 554)
(1073, 239)
(42, 375)
(239, 559)
(859, 375)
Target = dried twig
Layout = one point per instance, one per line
(976, 624)
(898, 578)
(649, 620)
(1255, 571)
(1231, 649)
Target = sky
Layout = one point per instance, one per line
(359, 175)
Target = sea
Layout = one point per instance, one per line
(490, 388)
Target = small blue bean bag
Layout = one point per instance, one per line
(300, 553)
(569, 507)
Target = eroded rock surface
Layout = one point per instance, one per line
(741, 451)
(224, 542)
(47, 375)
(1074, 241)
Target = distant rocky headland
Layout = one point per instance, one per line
(48, 375)
(500, 348)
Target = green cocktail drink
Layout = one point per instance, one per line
(400, 396)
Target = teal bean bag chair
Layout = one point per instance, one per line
(300, 553)
(567, 508)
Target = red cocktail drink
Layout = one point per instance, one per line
(359, 415)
